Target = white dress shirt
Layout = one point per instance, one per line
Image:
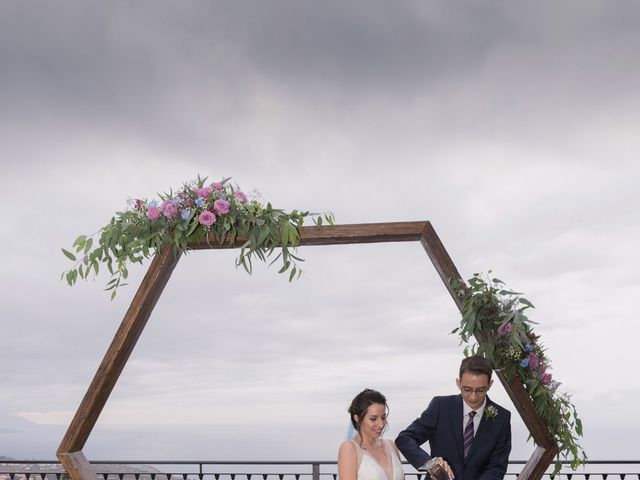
(476, 420)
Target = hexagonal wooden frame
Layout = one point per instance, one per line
(162, 265)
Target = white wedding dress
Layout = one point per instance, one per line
(370, 469)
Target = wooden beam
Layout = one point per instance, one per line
(117, 355)
(538, 463)
(522, 401)
(362, 233)
(341, 234)
(442, 263)
(77, 465)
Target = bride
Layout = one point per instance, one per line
(367, 456)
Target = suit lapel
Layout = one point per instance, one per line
(457, 424)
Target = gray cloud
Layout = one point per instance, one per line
(190, 77)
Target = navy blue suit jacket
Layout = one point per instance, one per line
(441, 425)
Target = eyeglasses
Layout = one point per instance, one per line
(469, 390)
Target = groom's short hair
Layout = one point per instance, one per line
(476, 365)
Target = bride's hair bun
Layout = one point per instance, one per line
(361, 403)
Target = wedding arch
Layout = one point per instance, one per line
(165, 260)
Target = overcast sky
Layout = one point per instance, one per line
(513, 127)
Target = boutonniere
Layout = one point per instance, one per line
(490, 412)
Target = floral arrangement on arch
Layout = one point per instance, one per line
(200, 211)
(496, 317)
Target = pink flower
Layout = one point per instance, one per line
(153, 213)
(169, 208)
(241, 197)
(546, 379)
(221, 206)
(217, 186)
(534, 361)
(204, 192)
(505, 329)
(207, 218)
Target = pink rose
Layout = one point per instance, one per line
(153, 213)
(534, 361)
(171, 211)
(217, 186)
(221, 206)
(241, 197)
(546, 379)
(204, 192)
(505, 329)
(169, 208)
(207, 218)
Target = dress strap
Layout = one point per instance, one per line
(390, 446)
(358, 454)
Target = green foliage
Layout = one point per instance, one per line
(496, 317)
(212, 213)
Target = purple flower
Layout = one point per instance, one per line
(221, 206)
(217, 186)
(138, 204)
(241, 197)
(546, 379)
(524, 363)
(534, 361)
(169, 209)
(207, 218)
(184, 213)
(505, 329)
(164, 204)
(153, 213)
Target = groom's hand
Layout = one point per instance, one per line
(447, 468)
(436, 466)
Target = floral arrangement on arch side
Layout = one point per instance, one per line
(200, 211)
(496, 317)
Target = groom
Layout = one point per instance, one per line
(468, 431)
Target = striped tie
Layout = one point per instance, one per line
(468, 433)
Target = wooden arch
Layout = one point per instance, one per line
(70, 450)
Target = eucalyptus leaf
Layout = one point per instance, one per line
(69, 255)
